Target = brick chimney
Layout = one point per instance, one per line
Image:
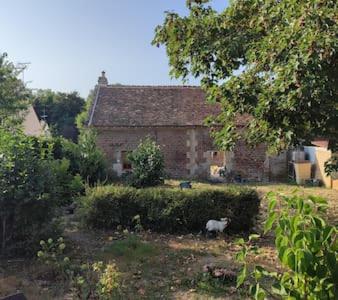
(102, 79)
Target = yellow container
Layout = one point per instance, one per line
(303, 171)
(335, 184)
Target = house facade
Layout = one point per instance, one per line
(174, 117)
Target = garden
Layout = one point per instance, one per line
(145, 239)
(70, 228)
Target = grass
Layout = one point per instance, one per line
(131, 248)
(159, 266)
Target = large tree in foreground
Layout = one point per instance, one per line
(13, 94)
(275, 60)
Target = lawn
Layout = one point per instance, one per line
(155, 266)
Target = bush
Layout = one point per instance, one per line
(147, 165)
(168, 210)
(93, 166)
(27, 198)
(307, 250)
(85, 159)
(87, 281)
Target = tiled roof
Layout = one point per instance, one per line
(122, 106)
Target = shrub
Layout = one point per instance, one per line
(306, 247)
(147, 164)
(87, 281)
(93, 166)
(168, 210)
(67, 186)
(27, 197)
(85, 159)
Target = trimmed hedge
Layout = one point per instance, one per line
(168, 210)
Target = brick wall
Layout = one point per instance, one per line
(187, 151)
(250, 162)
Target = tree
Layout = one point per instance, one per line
(61, 110)
(27, 185)
(93, 167)
(274, 60)
(13, 94)
(83, 117)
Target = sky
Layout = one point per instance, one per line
(69, 42)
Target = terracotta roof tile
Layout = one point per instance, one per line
(119, 106)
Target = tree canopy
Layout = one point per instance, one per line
(274, 60)
(13, 94)
(60, 110)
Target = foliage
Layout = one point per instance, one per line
(274, 60)
(97, 281)
(92, 165)
(13, 94)
(61, 110)
(52, 254)
(168, 210)
(307, 249)
(83, 117)
(67, 186)
(88, 281)
(27, 198)
(147, 164)
(331, 166)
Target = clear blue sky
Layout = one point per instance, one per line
(69, 42)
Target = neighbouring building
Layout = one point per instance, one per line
(32, 125)
(174, 117)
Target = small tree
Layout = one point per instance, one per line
(27, 185)
(92, 162)
(147, 164)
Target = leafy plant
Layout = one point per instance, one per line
(27, 198)
(92, 162)
(147, 164)
(307, 249)
(52, 254)
(87, 281)
(97, 281)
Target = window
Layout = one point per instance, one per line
(126, 165)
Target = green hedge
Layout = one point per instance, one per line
(168, 210)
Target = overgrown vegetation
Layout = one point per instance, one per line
(86, 281)
(307, 249)
(29, 188)
(60, 111)
(168, 210)
(85, 159)
(14, 97)
(147, 164)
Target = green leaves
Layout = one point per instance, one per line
(275, 61)
(306, 247)
(269, 222)
(14, 96)
(242, 276)
(147, 164)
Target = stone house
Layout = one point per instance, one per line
(174, 117)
